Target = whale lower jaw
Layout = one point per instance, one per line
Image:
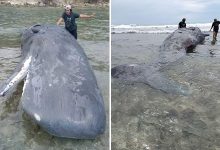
(16, 77)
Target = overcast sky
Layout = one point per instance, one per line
(159, 12)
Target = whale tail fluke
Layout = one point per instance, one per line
(161, 82)
(142, 73)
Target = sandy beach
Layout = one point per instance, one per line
(147, 118)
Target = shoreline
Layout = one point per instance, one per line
(115, 33)
(34, 3)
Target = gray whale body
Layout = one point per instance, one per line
(175, 46)
(60, 90)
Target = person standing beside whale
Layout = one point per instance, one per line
(69, 19)
(215, 24)
(182, 23)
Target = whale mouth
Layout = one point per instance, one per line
(190, 49)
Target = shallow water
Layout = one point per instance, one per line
(149, 119)
(17, 131)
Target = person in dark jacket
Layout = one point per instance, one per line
(215, 26)
(182, 23)
(69, 17)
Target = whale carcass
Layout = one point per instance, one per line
(174, 47)
(60, 90)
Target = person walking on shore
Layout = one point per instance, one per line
(215, 24)
(69, 17)
(182, 23)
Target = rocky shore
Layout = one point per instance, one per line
(55, 3)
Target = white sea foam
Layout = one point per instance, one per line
(132, 28)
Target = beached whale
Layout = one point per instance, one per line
(60, 90)
(173, 48)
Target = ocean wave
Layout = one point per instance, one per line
(133, 28)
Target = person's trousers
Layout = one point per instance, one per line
(74, 33)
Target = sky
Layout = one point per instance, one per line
(163, 12)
